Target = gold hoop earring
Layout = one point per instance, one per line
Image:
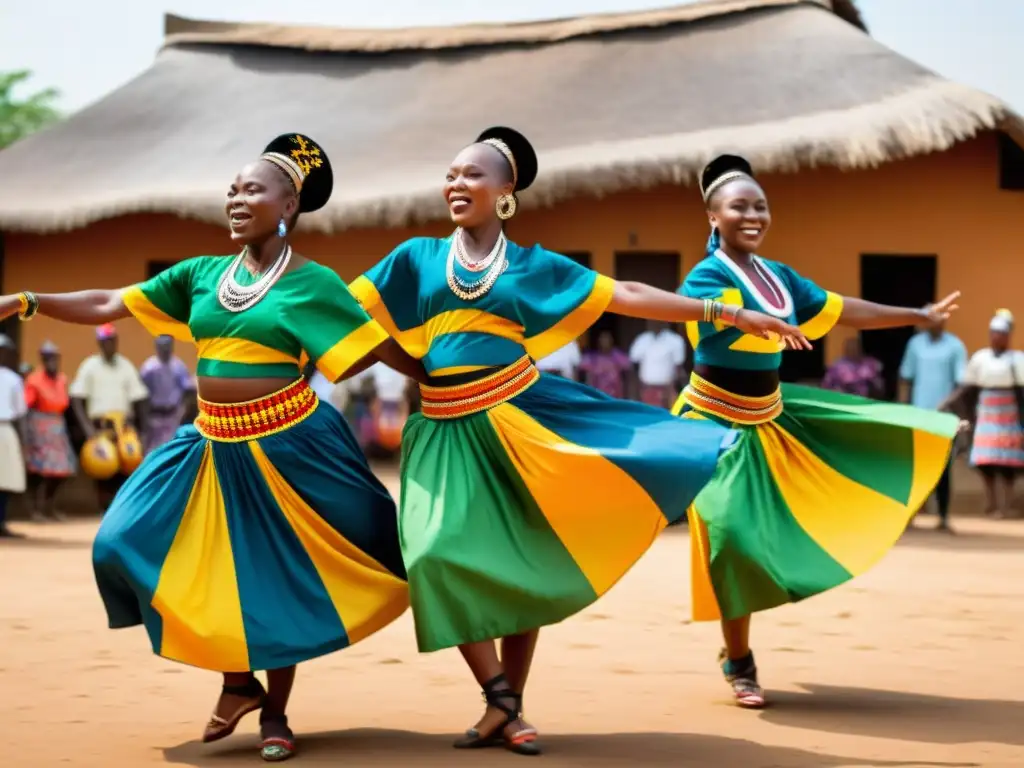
(506, 207)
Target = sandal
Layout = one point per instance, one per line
(218, 727)
(523, 742)
(276, 749)
(741, 674)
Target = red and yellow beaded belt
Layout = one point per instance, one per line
(251, 420)
(480, 395)
(705, 397)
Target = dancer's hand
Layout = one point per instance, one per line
(940, 311)
(768, 327)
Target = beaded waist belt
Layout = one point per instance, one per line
(480, 395)
(251, 420)
(705, 397)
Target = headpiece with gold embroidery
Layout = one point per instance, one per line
(721, 171)
(306, 165)
(517, 150)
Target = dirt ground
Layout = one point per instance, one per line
(917, 663)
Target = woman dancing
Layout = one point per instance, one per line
(821, 484)
(524, 496)
(256, 538)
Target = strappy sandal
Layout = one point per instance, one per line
(218, 727)
(276, 749)
(522, 742)
(742, 676)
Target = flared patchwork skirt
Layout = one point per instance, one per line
(998, 437)
(527, 510)
(260, 548)
(809, 498)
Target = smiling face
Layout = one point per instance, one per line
(478, 176)
(740, 212)
(259, 198)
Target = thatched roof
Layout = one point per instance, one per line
(612, 102)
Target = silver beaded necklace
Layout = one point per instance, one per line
(235, 297)
(492, 267)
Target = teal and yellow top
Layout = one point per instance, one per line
(542, 301)
(798, 301)
(308, 314)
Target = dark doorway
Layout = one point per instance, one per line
(660, 269)
(908, 281)
(154, 268)
(804, 366)
(580, 257)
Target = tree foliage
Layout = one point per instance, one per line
(21, 116)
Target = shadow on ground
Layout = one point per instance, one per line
(922, 535)
(39, 542)
(370, 747)
(896, 715)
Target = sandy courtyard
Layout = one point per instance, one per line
(916, 664)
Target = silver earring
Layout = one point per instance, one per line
(282, 228)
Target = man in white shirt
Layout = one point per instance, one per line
(564, 361)
(658, 354)
(12, 413)
(107, 386)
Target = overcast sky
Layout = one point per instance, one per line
(86, 48)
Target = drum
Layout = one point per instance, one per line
(99, 457)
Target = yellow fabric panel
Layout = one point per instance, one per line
(705, 603)
(748, 343)
(197, 593)
(240, 351)
(826, 319)
(470, 321)
(606, 526)
(153, 320)
(456, 369)
(573, 325)
(351, 349)
(822, 500)
(693, 333)
(366, 293)
(744, 343)
(416, 341)
(368, 297)
(931, 456)
(733, 296)
(365, 594)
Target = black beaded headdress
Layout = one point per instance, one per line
(721, 171)
(517, 150)
(306, 166)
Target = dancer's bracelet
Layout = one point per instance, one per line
(728, 313)
(29, 305)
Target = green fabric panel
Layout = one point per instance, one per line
(812, 400)
(483, 562)
(760, 556)
(171, 290)
(869, 442)
(326, 313)
(230, 370)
